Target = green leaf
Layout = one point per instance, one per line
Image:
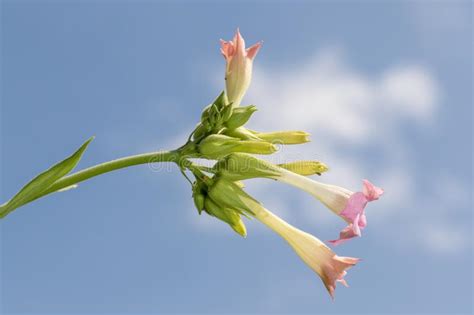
(43, 181)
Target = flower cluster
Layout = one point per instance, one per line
(221, 136)
(218, 190)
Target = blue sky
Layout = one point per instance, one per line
(385, 90)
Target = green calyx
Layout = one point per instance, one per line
(217, 146)
(228, 215)
(230, 194)
(240, 166)
(222, 211)
(240, 116)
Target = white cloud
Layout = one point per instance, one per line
(326, 96)
(411, 91)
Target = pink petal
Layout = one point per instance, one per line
(370, 191)
(335, 270)
(346, 234)
(355, 225)
(227, 49)
(253, 50)
(354, 207)
(354, 214)
(239, 43)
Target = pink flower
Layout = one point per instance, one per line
(238, 72)
(354, 214)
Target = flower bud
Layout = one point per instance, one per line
(200, 131)
(284, 137)
(221, 100)
(241, 133)
(229, 194)
(305, 168)
(216, 146)
(227, 112)
(239, 166)
(240, 116)
(256, 147)
(198, 196)
(227, 215)
(238, 72)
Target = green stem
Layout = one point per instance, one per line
(178, 156)
(80, 176)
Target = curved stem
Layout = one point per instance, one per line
(80, 176)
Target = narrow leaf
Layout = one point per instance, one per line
(43, 181)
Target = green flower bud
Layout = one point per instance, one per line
(200, 131)
(229, 194)
(221, 100)
(305, 168)
(216, 146)
(284, 137)
(240, 116)
(256, 147)
(214, 115)
(227, 215)
(198, 196)
(199, 202)
(227, 112)
(239, 166)
(241, 133)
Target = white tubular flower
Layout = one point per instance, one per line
(348, 205)
(311, 250)
(333, 197)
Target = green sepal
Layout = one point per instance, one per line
(227, 215)
(227, 112)
(40, 184)
(240, 166)
(198, 196)
(241, 133)
(221, 100)
(228, 194)
(200, 131)
(215, 146)
(240, 116)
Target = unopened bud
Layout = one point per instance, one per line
(216, 146)
(227, 215)
(198, 196)
(227, 112)
(221, 100)
(240, 116)
(256, 147)
(305, 168)
(284, 137)
(200, 131)
(229, 194)
(241, 133)
(239, 166)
